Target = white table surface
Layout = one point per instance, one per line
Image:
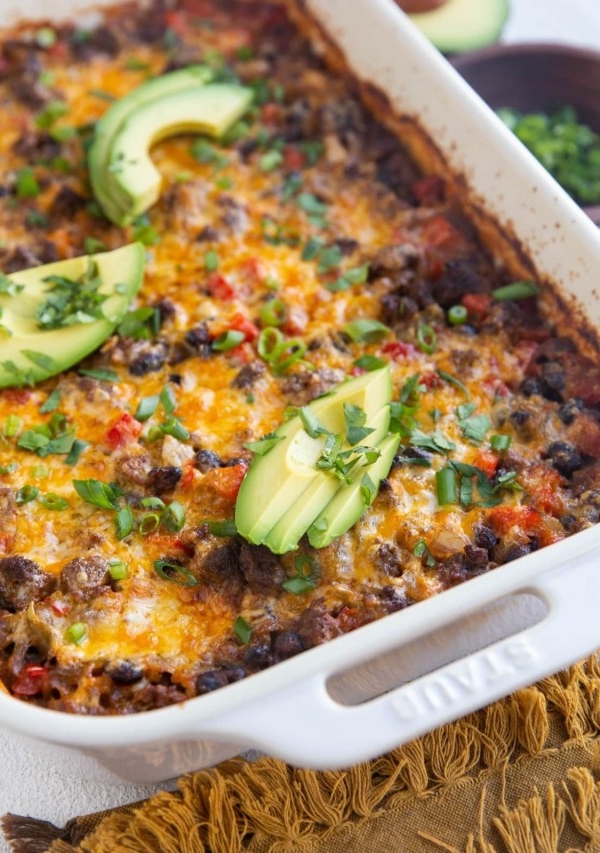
(27, 784)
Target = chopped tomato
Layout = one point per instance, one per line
(239, 323)
(219, 288)
(59, 50)
(176, 21)
(7, 541)
(62, 242)
(293, 158)
(187, 478)
(350, 618)
(487, 461)
(18, 396)
(270, 113)
(123, 431)
(357, 371)
(431, 381)
(398, 350)
(226, 482)
(428, 190)
(477, 304)
(30, 681)
(544, 484)
(255, 270)
(201, 8)
(504, 518)
(438, 233)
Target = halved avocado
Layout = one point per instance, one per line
(461, 25)
(276, 481)
(294, 523)
(348, 504)
(118, 113)
(29, 354)
(210, 109)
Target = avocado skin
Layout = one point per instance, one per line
(277, 481)
(462, 25)
(118, 113)
(67, 345)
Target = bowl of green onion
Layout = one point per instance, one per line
(549, 96)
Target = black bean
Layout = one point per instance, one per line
(206, 460)
(216, 678)
(553, 380)
(198, 340)
(518, 418)
(393, 599)
(565, 458)
(569, 410)
(513, 552)
(287, 644)
(530, 387)
(164, 479)
(259, 654)
(125, 672)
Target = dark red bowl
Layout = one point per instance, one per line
(537, 77)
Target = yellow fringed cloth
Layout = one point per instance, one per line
(521, 776)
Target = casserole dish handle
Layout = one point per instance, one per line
(305, 726)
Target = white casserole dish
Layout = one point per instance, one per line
(395, 679)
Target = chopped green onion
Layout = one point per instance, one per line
(76, 633)
(500, 442)
(8, 469)
(457, 315)
(421, 550)
(221, 528)
(40, 472)
(173, 518)
(26, 184)
(242, 630)
(268, 342)
(26, 494)
(273, 313)
(228, 340)
(167, 400)
(117, 569)
(123, 523)
(45, 37)
(211, 261)
(149, 523)
(152, 503)
(174, 572)
(271, 160)
(446, 486)
(298, 585)
(368, 331)
(53, 502)
(426, 338)
(146, 407)
(518, 290)
(173, 427)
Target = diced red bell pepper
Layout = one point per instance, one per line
(226, 482)
(123, 431)
(30, 680)
(219, 288)
(242, 324)
(398, 350)
(177, 22)
(477, 304)
(431, 381)
(293, 158)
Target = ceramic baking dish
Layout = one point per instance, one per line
(393, 680)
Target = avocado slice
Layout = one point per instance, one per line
(276, 481)
(132, 180)
(348, 504)
(294, 523)
(461, 25)
(117, 114)
(28, 353)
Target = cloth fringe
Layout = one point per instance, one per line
(241, 805)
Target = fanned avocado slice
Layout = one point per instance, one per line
(276, 480)
(349, 503)
(117, 114)
(30, 353)
(294, 523)
(135, 182)
(461, 25)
